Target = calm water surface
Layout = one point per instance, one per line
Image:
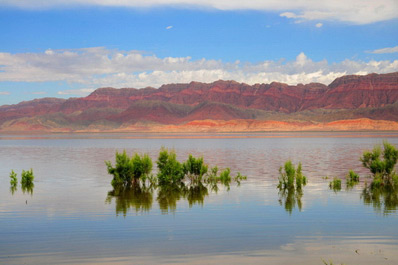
(71, 218)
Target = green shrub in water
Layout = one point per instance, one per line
(381, 163)
(194, 168)
(352, 179)
(13, 179)
(128, 170)
(290, 177)
(352, 176)
(27, 177)
(142, 166)
(170, 169)
(225, 176)
(335, 184)
(239, 178)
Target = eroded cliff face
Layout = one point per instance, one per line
(373, 96)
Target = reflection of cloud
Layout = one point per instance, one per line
(356, 11)
(95, 67)
(385, 50)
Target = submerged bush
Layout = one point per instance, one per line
(225, 176)
(291, 181)
(27, 177)
(194, 168)
(352, 176)
(335, 184)
(27, 181)
(170, 169)
(239, 178)
(171, 182)
(142, 166)
(128, 170)
(289, 177)
(352, 179)
(13, 179)
(381, 163)
(13, 182)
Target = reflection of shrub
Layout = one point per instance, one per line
(168, 195)
(381, 163)
(335, 184)
(382, 197)
(195, 194)
(170, 170)
(27, 177)
(136, 196)
(289, 177)
(13, 179)
(127, 170)
(290, 198)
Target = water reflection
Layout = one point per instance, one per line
(289, 198)
(384, 198)
(27, 188)
(168, 195)
(13, 189)
(139, 197)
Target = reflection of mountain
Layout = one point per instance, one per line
(384, 198)
(199, 106)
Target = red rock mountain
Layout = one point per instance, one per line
(374, 96)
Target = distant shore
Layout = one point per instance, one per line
(222, 126)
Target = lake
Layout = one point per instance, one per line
(71, 216)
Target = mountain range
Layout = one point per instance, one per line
(351, 102)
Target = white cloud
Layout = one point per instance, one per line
(79, 92)
(169, 27)
(4, 93)
(318, 25)
(39, 93)
(99, 67)
(385, 50)
(289, 15)
(354, 11)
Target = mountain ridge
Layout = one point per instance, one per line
(372, 96)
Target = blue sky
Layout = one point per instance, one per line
(68, 50)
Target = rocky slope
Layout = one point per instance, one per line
(175, 106)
